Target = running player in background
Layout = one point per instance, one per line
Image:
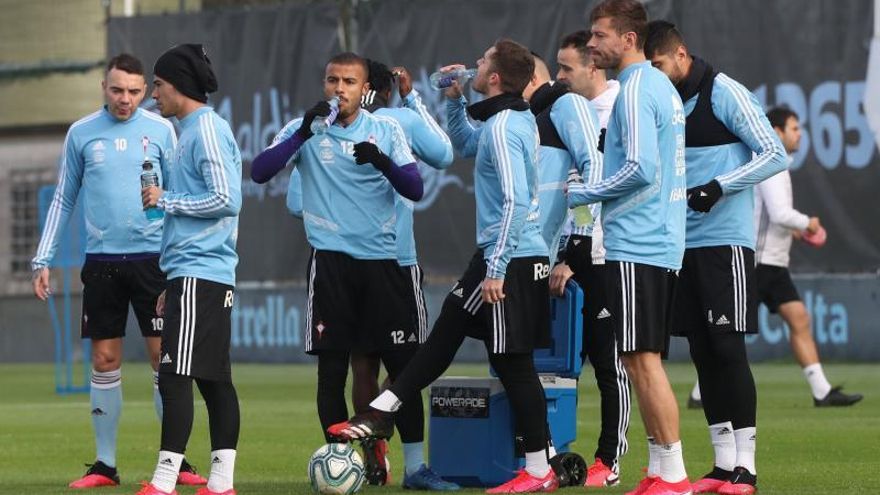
(643, 215)
(775, 219)
(201, 200)
(102, 158)
(730, 147)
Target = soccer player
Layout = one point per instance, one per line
(432, 146)
(577, 69)
(584, 259)
(360, 299)
(775, 219)
(503, 296)
(730, 147)
(569, 135)
(643, 214)
(102, 158)
(201, 200)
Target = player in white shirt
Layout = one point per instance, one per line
(776, 221)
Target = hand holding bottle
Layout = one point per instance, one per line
(451, 78)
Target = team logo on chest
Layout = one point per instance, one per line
(98, 152)
(325, 154)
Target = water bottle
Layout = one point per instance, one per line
(149, 177)
(320, 124)
(582, 214)
(442, 80)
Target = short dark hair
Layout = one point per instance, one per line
(514, 63)
(662, 39)
(350, 58)
(126, 63)
(577, 40)
(626, 16)
(381, 80)
(778, 116)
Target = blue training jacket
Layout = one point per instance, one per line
(736, 166)
(202, 199)
(505, 148)
(643, 188)
(428, 142)
(348, 207)
(102, 159)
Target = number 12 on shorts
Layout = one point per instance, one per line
(397, 337)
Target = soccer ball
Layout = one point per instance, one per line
(336, 468)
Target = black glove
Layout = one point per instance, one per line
(601, 146)
(703, 198)
(320, 110)
(366, 152)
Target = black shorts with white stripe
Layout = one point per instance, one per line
(198, 323)
(639, 301)
(717, 291)
(360, 305)
(419, 306)
(521, 322)
(775, 286)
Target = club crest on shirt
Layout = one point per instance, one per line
(326, 155)
(98, 154)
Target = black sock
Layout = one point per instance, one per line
(410, 418)
(332, 374)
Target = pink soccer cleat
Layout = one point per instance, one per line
(189, 476)
(98, 475)
(204, 491)
(661, 487)
(599, 475)
(149, 489)
(526, 483)
(742, 482)
(643, 485)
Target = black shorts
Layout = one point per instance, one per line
(579, 253)
(521, 321)
(359, 305)
(108, 289)
(640, 301)
(592, 280)
(775, 286)
(717, 291)
(420, 307)
(198, 324)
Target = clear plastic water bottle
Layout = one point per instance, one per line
(149, 177)
(442, 80)
(321, 124)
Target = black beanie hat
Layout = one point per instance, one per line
(188, 69)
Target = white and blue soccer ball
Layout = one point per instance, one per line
(336, 468)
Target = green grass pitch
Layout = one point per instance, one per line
(45, 439)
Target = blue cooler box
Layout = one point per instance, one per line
(563, 358)
(471, 435)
